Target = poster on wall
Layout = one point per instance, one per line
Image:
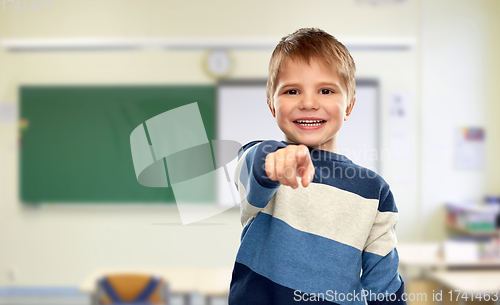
(469, 150)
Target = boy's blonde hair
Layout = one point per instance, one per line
(307, 43)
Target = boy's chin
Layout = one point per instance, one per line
(306, 143)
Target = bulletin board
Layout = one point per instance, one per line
(74, 141)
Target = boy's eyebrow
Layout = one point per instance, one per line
(330, 84)
(289, 85)
(337, 86)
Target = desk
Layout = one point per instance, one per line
(471, 282)
(210, 282)
(474, 280)
(427, 255)
(424, 255)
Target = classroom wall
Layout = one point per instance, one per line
(492, 61)
(60, 244)
(460, 74)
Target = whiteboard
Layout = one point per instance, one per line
(358, 138)
(243, 116)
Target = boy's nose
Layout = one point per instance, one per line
(308, 102)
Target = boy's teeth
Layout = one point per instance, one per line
(310, 122)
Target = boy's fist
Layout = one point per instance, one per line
(288, 163)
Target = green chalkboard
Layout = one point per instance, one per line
(75, 140)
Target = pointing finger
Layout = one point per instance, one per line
(270, 167)
(308, 175)
(302, 157)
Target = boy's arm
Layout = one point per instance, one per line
(254, 186)
(380, 257)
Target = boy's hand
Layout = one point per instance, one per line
(288, 163)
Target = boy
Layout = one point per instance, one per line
(317, 227)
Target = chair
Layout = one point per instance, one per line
(136, 289)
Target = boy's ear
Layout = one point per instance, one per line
(273, 112)
(349, 108)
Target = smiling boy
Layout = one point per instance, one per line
(317, 227)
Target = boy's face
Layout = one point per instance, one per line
(310, 93)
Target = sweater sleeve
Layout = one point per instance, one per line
(380, 277)
(254, 186)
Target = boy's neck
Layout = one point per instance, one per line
(330, 145)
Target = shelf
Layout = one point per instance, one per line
(463, 230)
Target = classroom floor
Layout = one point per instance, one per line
(83, 300)
(413, 286)
(46, 300)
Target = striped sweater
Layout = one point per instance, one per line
(332, 242)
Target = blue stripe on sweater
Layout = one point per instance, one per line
(304, 261)
(348, 177)
(330, 168)
(256, 194)
(394, 299)
(385, 273)
(387, 204)
(353, 178)
(251, 288)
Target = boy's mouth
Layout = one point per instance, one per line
(309, 123)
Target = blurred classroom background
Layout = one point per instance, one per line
(433, 64)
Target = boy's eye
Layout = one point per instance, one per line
(293, 91)
(326, 91)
